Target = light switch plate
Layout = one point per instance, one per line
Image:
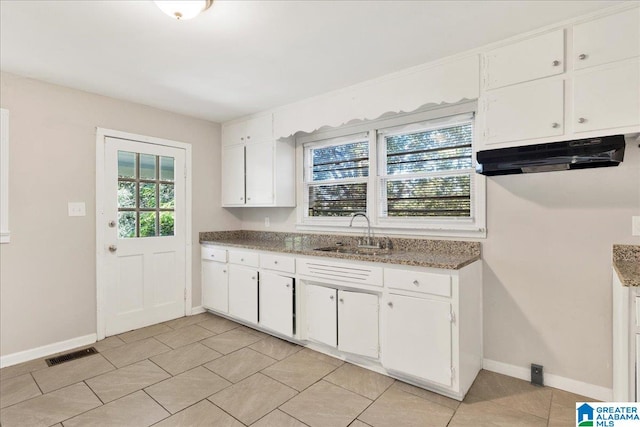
(77, 209)
(635, 225)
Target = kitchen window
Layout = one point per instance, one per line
(411, 174)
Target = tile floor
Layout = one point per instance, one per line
(204, 370)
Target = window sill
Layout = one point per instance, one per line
(409, 230)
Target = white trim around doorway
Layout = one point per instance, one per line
(101, 134)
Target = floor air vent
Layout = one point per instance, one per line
(71, 356)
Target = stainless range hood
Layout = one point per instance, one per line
(556, 156)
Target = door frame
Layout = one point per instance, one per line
(101, 248)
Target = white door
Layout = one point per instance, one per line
(418, 338)
(215, 288)
(358, 323)
(276, 303)
(144, 226)
(259, 177)
(233, 173)
(243, 293)
(321, 315)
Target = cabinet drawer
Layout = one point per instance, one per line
(416, 281)
(213, 254)
(612, 38)
(244, 258)
(278, 263)
(527, 60)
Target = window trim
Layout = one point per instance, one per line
(5, 234)
(474, 227)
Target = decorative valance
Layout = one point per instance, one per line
(404, 91)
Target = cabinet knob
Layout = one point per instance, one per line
(224, 271)
(416, 283)
(241, 259)
(331, 297)
(242, 138)
(241, 198)
(275, 262)
(248, 198)
(253, 278)
(555, 63)
(287, 285)
(582, 120)
(582, 56)
(390, 304)
(555, 125)
(248, 136)
(342, 300)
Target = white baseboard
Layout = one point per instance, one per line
(46, 350)
(197, 310)
(551, 380)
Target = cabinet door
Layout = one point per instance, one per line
(259, 167)
(417, 338)
(215, 290)
(243, 293)
(321, 316)
(259, 129)
(358, 323)
(234, 133)
(276, 302)
(527, 60)
(607, 98)
(525, 112)
(233, 175)
(607, 39)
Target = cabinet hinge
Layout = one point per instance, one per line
(185, 294)
(453, 372)
(452, 317)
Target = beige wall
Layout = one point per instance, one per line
(547, 265)
(48, 285)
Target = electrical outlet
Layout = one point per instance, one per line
(266, 221)
(77, 209)
(537, 375)
(635, 225)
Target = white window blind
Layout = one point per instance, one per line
(336, 176)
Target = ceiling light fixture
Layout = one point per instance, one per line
(183, 9)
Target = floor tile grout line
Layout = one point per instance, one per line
(144, 390)
(208, 399)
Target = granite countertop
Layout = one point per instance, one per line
(447, 254)
(626, 261)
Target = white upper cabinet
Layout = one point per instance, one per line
(607, 98)
(233, 176)
(525, 112)
(609, 39)
(256, 169)
(259, 173)
(530, 59)
(256, 129)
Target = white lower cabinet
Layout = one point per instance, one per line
(351, 325)
(321, 318)
(276, 303)
(358, 323)
(243, 293)
(215, 289)
(417, 338)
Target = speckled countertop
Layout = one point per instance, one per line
(447, 254)
(626, 261)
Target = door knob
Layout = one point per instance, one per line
(112, 224)
(113, 248)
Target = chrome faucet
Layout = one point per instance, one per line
(368, 243)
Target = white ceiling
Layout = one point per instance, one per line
(241, 57)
